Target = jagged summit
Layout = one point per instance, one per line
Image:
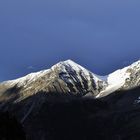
(65, 77)
(69, 77)
(35, 75)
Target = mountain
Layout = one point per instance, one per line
(67, 77)
(123, 79)
(68, 101)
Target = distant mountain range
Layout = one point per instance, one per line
(28, 97)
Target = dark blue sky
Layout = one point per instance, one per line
(102, 35)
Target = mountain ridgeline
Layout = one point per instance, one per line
(69, 102)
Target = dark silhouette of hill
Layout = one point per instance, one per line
(53, 116)
(65, 118)
(10, 128)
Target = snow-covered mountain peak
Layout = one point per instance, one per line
(68, 76)
(63, 77)
(79, 77)
(35, 75)
(125, 78)
(69, 63)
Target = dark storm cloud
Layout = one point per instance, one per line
(100, 35)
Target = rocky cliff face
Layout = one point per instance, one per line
(65, 77)
(134, 76)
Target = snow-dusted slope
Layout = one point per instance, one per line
(69, 77)
(66, 66)
(121, 79)
(26, 79)
(66, 77)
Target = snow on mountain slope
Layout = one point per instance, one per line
(27, 79)
(34, 76)
(70, 77)
(122, 79)
(64, 77)
(115, 81)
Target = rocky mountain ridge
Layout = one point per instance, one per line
(70, 78)
(65, 77)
